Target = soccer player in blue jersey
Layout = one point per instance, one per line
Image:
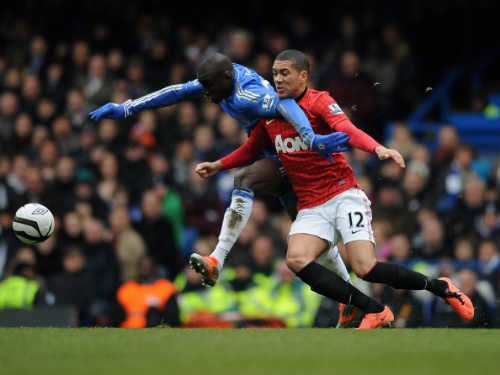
(247, 97)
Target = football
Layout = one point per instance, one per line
(33, 223)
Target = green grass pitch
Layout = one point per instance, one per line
(95, 351)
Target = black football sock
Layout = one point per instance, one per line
(329, 284)
(400, 277)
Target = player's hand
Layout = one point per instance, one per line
(207, 169)
(386, 153)
(110, 110)
(330, 143)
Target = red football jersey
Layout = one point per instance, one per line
(314, 179)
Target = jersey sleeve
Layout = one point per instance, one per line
(165, 97)
(250, 151)
(291, 111)
(339, 122)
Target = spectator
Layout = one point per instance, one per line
(135, 75)
(159, 236)
(65, 137)
(461, 219)
(20, 141)
(54, 83)
(415, 185)
(157, 64)
(432, 242)
(405, 91)
(101, 263)
(487, 222)
(108, 135)
(73, 285)
(464, 252)
(85, 190)
(71, 231)
(48, 258)
(205, 145)
(448, 141)
(31, 92)
(16, 178)
(354, 92)
(21, 290)
(489, 263)
(202, 206)
(262, 256)
(38, 57)
(128, 243)
(39, 191)
(148, 300)
(390, 206)
(108, 178)
(135, 171)
(402, 140)
(77, 109)
(9, 106)
(97, 86)
(47, 160)
(283, 297)
(65, 180)
(401, 250)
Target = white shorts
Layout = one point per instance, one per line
(346, 217)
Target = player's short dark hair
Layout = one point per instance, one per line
(214, 65)
(298, 59)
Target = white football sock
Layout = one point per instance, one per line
(235, 219)
(332, 260)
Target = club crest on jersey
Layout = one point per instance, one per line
(289, 144)
(335, 109)
(267, 102)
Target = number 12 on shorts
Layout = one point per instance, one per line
(356, 217)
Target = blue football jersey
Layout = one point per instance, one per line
(253, 97)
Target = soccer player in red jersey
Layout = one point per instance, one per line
(331, 204)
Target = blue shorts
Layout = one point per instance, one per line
(289, 197)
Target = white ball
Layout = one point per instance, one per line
(33, 223)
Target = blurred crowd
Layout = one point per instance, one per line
(130, 210)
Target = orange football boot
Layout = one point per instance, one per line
(207, 267)
(459, 301)
(376, 320)
(347, 315)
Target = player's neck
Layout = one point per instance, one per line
(301, 95)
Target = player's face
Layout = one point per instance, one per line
(216, 89)
(289, 82)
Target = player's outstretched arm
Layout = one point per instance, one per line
(162, 98)
(386, 153)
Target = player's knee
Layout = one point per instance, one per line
(245, 178)
(296, 262)
(361, 269)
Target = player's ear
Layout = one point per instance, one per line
(303, 76)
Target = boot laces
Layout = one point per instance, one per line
(455, 295)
